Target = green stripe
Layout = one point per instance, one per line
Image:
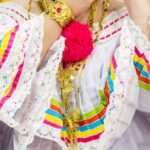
(92, 113)
(144, 85)
(55, 102)
(103, 97)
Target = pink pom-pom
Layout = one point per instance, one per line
(78, 44)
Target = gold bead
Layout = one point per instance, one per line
(72, 77)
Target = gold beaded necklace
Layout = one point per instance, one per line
(91, 17)
(66, 78)
(43, 5)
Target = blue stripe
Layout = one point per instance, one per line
(110, 84)
(53, 113)
(92, 125)
(89, 126)
(145, 74)
(138, 65)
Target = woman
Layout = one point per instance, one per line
(61, 83)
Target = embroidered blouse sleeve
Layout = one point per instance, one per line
(142, 65)
(130, 89)
(20, 48)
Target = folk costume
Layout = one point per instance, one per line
(85, 93)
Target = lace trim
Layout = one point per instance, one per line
(51, 133)
(122, 100)
(141, 39)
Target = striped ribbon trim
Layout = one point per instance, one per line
(6, 45)
(11, 88)
(142, 67)
(91, 124)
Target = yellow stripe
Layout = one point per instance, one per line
(5, 43)
(145, 69)
(8, 89)
(136, 58)
(142, 62)
(53, 119)
(112, 73)
(86, 134)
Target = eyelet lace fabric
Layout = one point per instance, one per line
(25, 110)
(19, 110)
(23, 45)
(141, 39)
(43, 87)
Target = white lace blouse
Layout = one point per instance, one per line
(115, 81)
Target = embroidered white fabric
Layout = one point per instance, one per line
(32, 58)
(143, 45)
(12, 112)
(40, 86)
(112, 23)
(142, 42)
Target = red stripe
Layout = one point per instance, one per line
(52, 124)
(137, 52)
(94, 118)
(84, 140)
(102, 38)
(14, 85)
(119, 29)
(91, 138)
(141, 55)
(114, 62)
(147, 81)
(138, 71)
(12, 17)
(53, 107)
(109, 35)
(116, 20)
(17, 13)
(114, 32)
(106, 93)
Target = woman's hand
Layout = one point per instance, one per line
(139, 11)
(78, 6)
